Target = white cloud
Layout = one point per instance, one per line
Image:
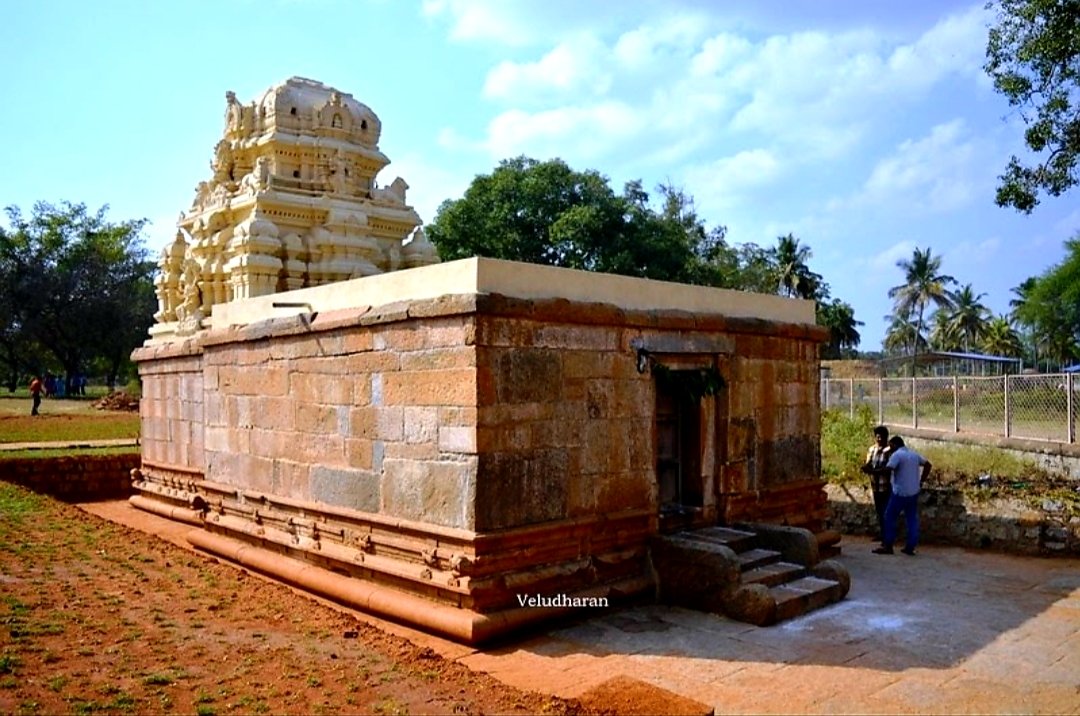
(719, 55)
(722, 183)
(572, 67)
(1068, 226)
(582, 132)
(957, 44)
(933, 174)
(672, 88)
(968, 253)
(652, 46)
(886, 260)
(517, 23)
(478, 19)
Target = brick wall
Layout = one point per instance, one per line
(80, 478)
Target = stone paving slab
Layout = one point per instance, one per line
(948, 631)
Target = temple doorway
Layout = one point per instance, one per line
(678, 456)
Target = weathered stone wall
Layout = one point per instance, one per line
(361, 412)
(949, 516)
(565, 423)
(774, 458)
(76, 478)
(1057, 457)
(171, 407)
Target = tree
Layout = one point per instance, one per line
(78, 287)
(944, 335)
(1001, 339)
(968, 317)
(901, 335)
(924, 284)
(1051, 306)
(1033, 57)
(839, 317)
(547, 213)
(794, 278)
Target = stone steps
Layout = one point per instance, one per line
(726, 570)
(773, 574)
(803, 595)
(828, 543)
(754, 558)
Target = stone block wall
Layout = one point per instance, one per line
(565, 422)
(948, 516)
(76, 478)
(472, 448)
(773, 462)
(171, 407)
(358, 413)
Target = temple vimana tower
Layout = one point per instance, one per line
(291, 203)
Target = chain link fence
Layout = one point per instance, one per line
(1035, 407)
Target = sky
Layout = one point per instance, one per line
(866, 129)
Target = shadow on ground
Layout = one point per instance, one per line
(931, 611)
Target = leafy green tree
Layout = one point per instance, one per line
(1033, 57)
(547, 213)
(839, 317)
(78, 286)
(1051, 306)
(1001, 339)
(924, 284)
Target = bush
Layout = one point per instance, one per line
(844, 441)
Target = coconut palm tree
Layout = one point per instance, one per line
(969, 317)
(901, 335)
(1020, 313)
(944, 335)
(924, 284)
(839, 317)
(1001, 339)
(794, 277)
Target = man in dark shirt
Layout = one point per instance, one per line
(880, 484)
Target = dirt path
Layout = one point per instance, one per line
(97, 617)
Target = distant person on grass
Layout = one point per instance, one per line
(909, 469)
(36, 386)
(880, 483)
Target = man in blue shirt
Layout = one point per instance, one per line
(908, 469)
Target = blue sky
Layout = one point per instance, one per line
(866, 129)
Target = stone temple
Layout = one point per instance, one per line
(473, 446)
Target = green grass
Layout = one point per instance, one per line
(63, 420)
(66, 452)
(844, 441)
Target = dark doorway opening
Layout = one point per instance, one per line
(678, 456)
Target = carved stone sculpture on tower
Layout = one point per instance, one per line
(290, 203)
